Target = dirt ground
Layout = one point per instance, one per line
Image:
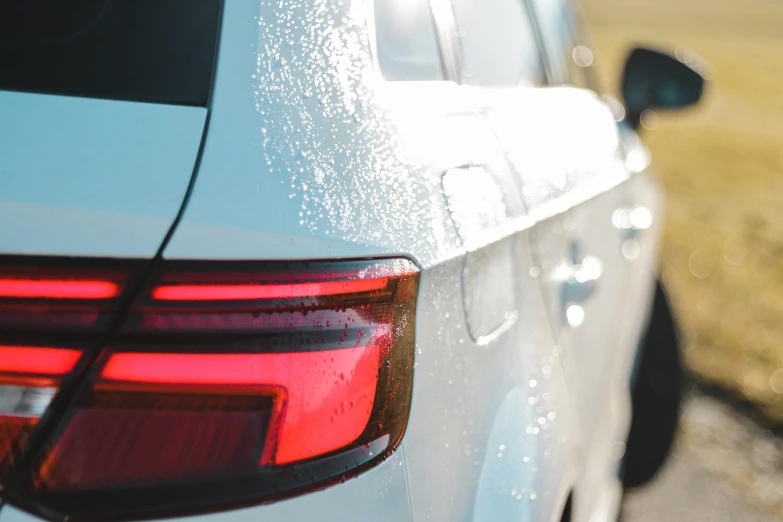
(722, 166)
(726, 467)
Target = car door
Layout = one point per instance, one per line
(606, 223)
(571, 61)
(562, 142)
(500, 66)
(487, 413)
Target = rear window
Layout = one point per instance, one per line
(158, 51)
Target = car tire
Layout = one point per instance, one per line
(656, 395)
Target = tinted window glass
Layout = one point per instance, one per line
(159, 51)
(567, 58)
(406, 41)
(497, 43)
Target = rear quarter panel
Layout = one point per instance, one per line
(310, 155)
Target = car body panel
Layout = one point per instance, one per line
(303, 173)
(489, 435)
(89, 177)
(566, 148)
(310, 154)
(319, 162)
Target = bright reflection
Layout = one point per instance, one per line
(637, 160)
(476, 204)
(575, 315)
(562, 271)
(641, 218)
(589, 270)
(532, 126)
(622, 218)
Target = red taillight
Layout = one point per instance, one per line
(328, 395)
(29, 378)
(37, 360)
(51, 313)
(58, 289)
(234, 383)
(268, 291)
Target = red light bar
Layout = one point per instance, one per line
(271, 377)
(58, 289)
(328, 394)
(37, 360)
(268, 291)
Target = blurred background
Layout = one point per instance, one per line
(722, 166)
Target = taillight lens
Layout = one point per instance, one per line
(52, 312)
(237, 383)
(29, 378)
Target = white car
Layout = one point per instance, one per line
(335, 260)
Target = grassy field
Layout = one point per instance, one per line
(722, 166)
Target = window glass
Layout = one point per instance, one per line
(407, 45)
(569, 60)
(159, 51)
(497, 43)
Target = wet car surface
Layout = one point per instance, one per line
(397, 265)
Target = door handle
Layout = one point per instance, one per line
(576, 280)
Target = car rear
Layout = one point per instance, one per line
(270, 316)
(134, 385)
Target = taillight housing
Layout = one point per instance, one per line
(53, 311)
(234, 383)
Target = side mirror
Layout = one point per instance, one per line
(656, 80)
